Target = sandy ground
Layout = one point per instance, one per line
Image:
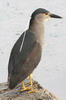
(14, 19)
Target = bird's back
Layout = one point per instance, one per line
(23, 62)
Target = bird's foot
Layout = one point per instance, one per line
(31, 91)
(25, 89)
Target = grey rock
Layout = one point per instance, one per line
(14, 94)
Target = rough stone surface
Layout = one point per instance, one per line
(40, 94)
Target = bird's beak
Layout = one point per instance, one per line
(54, 16)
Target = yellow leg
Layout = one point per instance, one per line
(24, 88)
(31, 83)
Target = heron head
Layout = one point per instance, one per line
(43, 14)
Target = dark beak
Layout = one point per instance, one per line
(54, 16)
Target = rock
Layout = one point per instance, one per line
(14, 94)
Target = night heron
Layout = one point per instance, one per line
(26, 52)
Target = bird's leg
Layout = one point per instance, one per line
(31, 83)
(23, 85)
(24, 88)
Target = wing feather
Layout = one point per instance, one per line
(18, 58)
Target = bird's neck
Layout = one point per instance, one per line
(37, 27)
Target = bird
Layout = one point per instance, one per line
(27, 51)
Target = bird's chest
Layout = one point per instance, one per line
(34, 58)
(38, 30)
(40, 37)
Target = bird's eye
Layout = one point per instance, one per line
(46, 13)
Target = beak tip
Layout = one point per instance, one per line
(61, 17)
